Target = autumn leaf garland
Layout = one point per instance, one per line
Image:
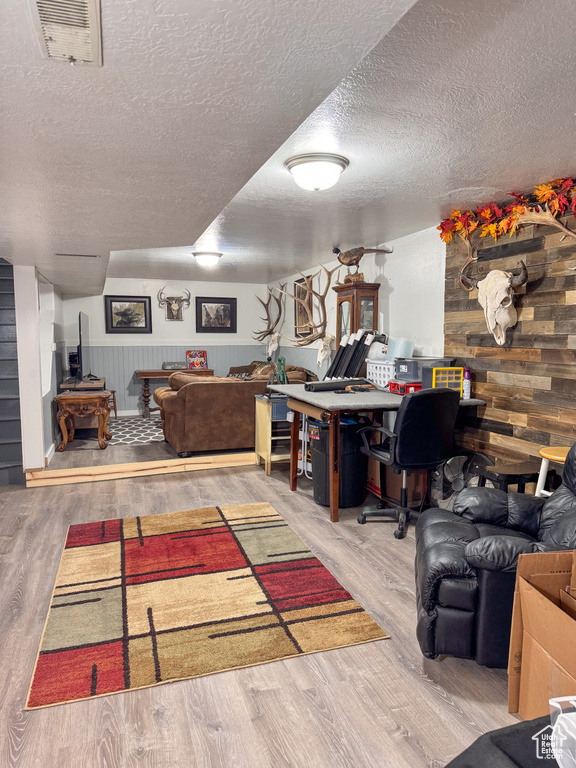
(558, 195)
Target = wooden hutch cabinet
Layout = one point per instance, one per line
(357, 307)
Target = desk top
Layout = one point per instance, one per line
(330, 401)
(373, 400)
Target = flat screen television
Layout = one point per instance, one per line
(84, 365)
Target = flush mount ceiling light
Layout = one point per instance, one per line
(317, 170)
(207, 258)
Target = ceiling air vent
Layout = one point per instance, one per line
(69, 30)
(79, 255)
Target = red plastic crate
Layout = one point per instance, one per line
(404, 387)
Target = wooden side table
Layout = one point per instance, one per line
(164, 374)
(71, 404)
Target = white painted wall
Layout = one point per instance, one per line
(411, 295)
(165, 332)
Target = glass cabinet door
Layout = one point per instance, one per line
(344, 317)
(367, 312)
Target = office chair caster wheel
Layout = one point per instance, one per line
(361, 519)
(399, 533)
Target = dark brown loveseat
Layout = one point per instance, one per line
(208, 413)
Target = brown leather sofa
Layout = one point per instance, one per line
(209, 413)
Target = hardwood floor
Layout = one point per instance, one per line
(379, 705)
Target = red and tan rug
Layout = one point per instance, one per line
(148, 600)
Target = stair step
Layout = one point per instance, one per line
(8, 350)
(10, 427)
(11, 473)
(11, 450)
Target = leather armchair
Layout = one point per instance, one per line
(466, 564)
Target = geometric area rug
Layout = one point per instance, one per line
(147, 600)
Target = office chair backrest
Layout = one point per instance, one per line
(425, 428)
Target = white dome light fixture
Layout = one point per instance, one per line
(207, 258)
(317, 170)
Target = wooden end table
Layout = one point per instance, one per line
(164, 374)
(72, 404)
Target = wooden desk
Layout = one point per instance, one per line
(72, 404)
(164, 374)
(328, 406)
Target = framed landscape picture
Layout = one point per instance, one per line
(215, 315)
(128, 314)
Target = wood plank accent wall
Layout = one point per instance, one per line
(529, 384)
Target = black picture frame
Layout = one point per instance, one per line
(215, 314)
(301, 330)
(128, 314)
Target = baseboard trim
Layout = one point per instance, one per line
(37, 478)
(129, 413)
(50, 454)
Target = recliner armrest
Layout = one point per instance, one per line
(499, 553)
(493, 506)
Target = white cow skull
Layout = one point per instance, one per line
(324, 350)
(496, 297)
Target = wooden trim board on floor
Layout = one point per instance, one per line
(36, 478)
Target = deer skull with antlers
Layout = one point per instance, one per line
(174, 304)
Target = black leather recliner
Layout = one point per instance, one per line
(466, 564)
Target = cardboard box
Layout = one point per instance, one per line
(384, 483)
(542, 661)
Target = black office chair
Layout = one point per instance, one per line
(423, 437)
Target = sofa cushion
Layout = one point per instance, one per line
(180, 379)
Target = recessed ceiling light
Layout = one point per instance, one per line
(317, 170)
(207, 258)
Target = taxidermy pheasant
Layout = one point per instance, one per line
(352, 258)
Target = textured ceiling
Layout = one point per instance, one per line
(193, 98)
(463, 101)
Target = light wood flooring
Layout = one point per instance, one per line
(379, 705)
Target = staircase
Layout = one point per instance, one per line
(10, 431)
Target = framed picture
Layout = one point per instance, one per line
(300, 316)
(215, 315)
(196, 358)
(128, 314)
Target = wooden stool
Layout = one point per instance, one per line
(548, 454)
(113, 402)
(503, 475)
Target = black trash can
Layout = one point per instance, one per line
(353, 464)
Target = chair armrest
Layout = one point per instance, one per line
(499, 553)
(362, 432)
(493, 506)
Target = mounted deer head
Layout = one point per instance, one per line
(174, 304)
(270, 323)
(318, 330)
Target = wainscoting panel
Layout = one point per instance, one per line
(118, 365)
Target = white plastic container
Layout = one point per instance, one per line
(379, 372)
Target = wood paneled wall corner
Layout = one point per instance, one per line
(529, 384)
